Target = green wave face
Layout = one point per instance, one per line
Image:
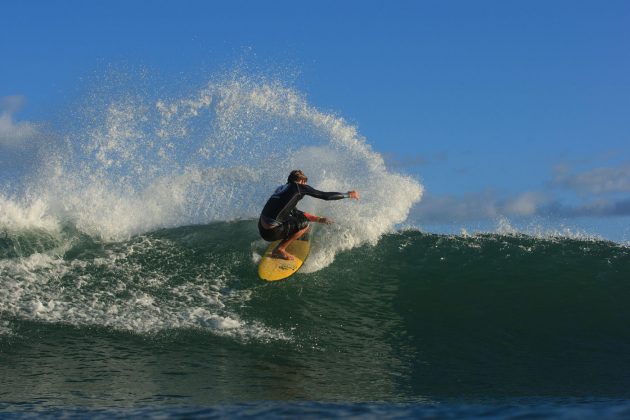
(414, 316)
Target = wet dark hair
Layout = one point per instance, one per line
(296, 175)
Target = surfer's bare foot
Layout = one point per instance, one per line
(283, 255)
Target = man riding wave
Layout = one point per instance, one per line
(281, 220)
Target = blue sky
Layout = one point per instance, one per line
(500, 108)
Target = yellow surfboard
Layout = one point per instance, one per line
(272, 269)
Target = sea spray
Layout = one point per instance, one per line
(136, 163)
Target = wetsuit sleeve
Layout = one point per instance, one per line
(308, 190)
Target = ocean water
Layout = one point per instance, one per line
(128, 280)
(177, 318)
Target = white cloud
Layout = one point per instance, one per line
(596, 208)
(599, 192)
(525, 204)
(13, 133)
(483, 205)
(487, 205)
(604, 180)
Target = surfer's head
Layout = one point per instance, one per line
(298, 176)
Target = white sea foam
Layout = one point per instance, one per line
(117, 292)
(5, 329)
(26, 214)
(534, 228)
(539, 230)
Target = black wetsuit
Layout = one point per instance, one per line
(280, 219)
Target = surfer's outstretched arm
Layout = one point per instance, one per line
(322, 195)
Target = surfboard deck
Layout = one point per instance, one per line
(273, 269)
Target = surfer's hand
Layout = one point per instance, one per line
(353, 194)
(326, 221)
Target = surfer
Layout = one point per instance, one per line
(280, 219)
